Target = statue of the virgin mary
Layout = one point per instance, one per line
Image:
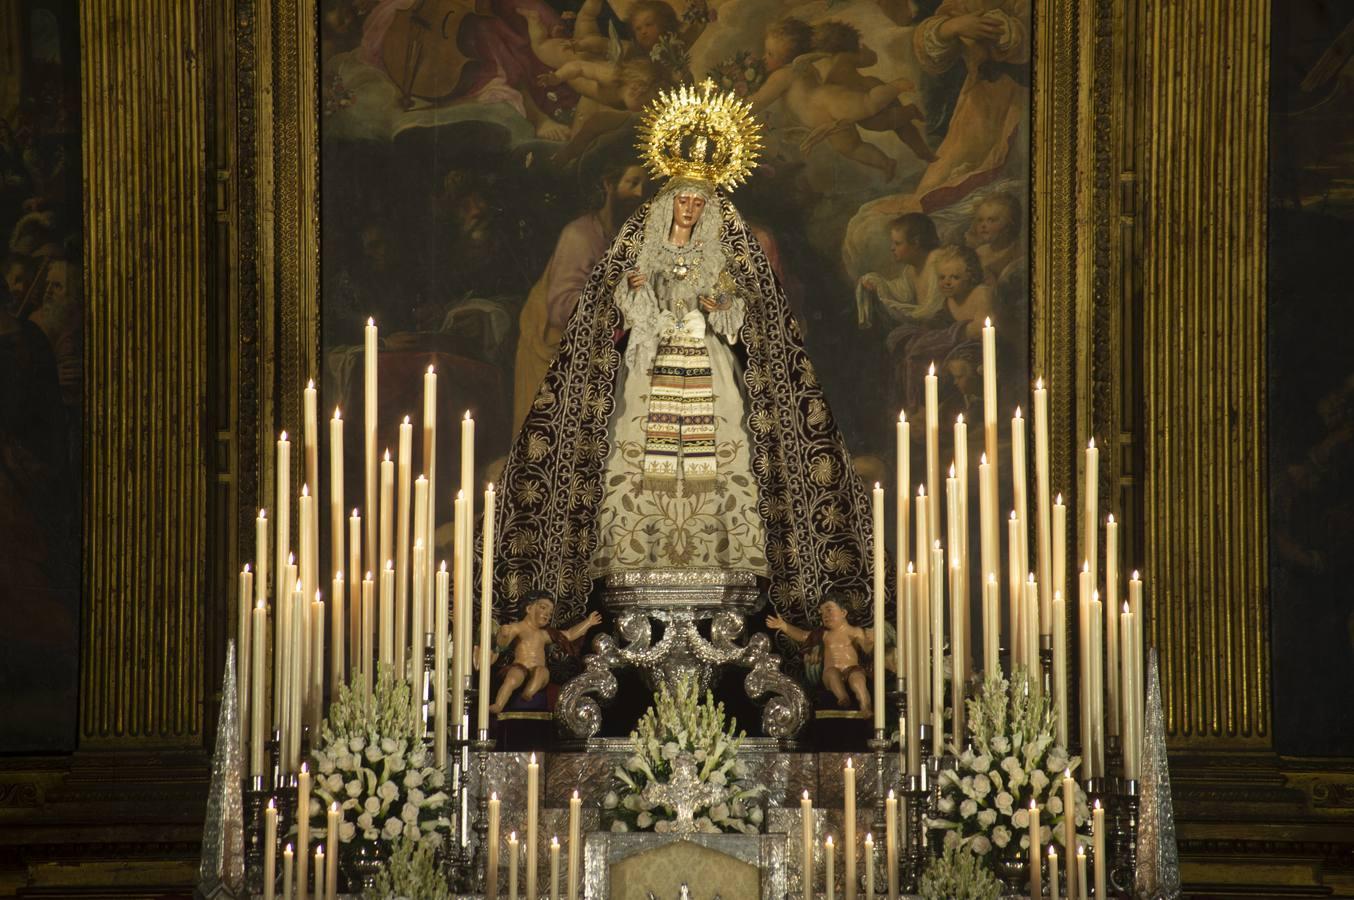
(682, 425)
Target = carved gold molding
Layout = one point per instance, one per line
(1201, 170)
(146, 361)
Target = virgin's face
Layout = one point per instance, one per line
(686, 210)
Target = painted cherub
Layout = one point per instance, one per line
(531, 635)
(841, 642)
(813, 71)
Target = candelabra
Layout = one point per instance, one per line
(917, 793)
(255, 796)
(878, 744)
(1124, 838)
(482, 747)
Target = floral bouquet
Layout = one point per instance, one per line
(373, 764)
(411, 871)
(985, 802)
(681, 732)
(957, 875)
(743, 73)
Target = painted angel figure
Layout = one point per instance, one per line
(682, 425)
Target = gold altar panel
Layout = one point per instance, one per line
(144, 161)
(1203, 127)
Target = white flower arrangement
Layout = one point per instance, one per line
(410, 872)
(984, 803)
(957, 875)
(680, 724)
(372, 763)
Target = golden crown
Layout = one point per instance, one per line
(698, 132)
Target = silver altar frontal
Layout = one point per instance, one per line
(640, 866)
(681, 603)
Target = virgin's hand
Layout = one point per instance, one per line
(708, 304)
(636, 280)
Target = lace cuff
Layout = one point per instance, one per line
(729, 321)
(645, 322)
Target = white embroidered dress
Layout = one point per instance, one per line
(645, 529)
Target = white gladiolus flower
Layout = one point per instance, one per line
(413, 778)
(392, 829)
(417, 797)
(387, 791)
(1055, 805)
(409, 813)
(373, 753)
(418, 757)
(1038, 780)
(982, 785)
(356, 744)
(982, 763)
(671, 751)
(333, 783)
(1057, 761)
(1001, 743)
(353, 788)
(411, 832)
(324, 763)
(388, 746)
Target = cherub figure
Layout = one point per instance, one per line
(532, 634)
(995, 234)
(814, 71)
(840, 642)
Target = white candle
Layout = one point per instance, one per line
(554, 867)
(282, 545)
(512, 866)
(491, 872)
(1091, 522)
(336, 560)
(991, 627)
(829, 860)
(1030, 619)
(422, 614)
(956, 651)
(316, 684)
(331, 840)
(1060, 665)
(915, 668)
(244, 639)
(261, 557)
(891, 843)
(1069, 829)
(297, 676)
(387, 512)
(1082, 885)
(533, 801)
(1129, 711)
(270, 850)
(806, 826)
(311, 442)
(355, 570)
(877, 545)
(387, 613)
(1042, 493)
(932, 450)
(430, 468)
(404, 637)
(849, 830)
(369, 366)
(1098, 682)
(901, 485)
(990, 437)
(337, 599)
(417, 660)
(1015, 578)
(302, 827)
(989, 547)
(288, 872)
(1111, 637)
(1053, 892)
(1060, 547)
(1084, 657)
(575, 838)
(319, 872)
(1019, 488)
(937, 647)
(1139, 622)
(458, 668)
(868, 860)
(923, 601)
(961, 548)
(440, 630)
(1098, 836)
(368, 638)
(258, 655)
(486, 620)
(304, 509)
(1036, 854)
(465, 603)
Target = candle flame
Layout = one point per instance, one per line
(891, 796)
(532, 761)
(1033, 805)
(305, 490)
(1081, 853)
(282, 437)
(827, 840)
(991, 577)
(987, 322)
(512, 838)
(490, 489)
(937, 544)
(368, 578)
(371, 323)
(1017, 412)
(902, 415)
(418, 544)
(1127, 611)
(333, 807)
(432, 369)
(493, 795)
(848, 762)
(1097, 804)
(1031, 578)
(982, 458)
(406, 421)
(1134, 576)
(387, 456)
(246, 568)
(1085, 565)
(1111, 519)
(1052, 852)
(869, 838)
(554, 842)
(951, 470)
(910, 569)
(1013, 515)
(272, 804)
(931, 372)
(338, 414)
(1095, 596)
(959, 419)
(263, 513)
(338, 576)
(1091, 444)
(291, 559)
(467, 416)
(304, 769)
(1039, 383)
(288, 850)
(390, 565)
(460, 496)
(877, 487)
(1067, 773)
(1058, 500)
(921, 490)
(356, 515)
(260, 605)
(806, 795)
(575, 793)
(444, 566)
(1057, 595)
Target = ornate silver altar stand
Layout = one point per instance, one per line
(681, 601)
(639, 858)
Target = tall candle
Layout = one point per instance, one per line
(261, 557)
(901, 486)
(387, 508)
(914, 673)
(319, 872)
(458, 668)
(331, 840)
(337, 600)
(877, 546)
(1131, 748)
(316, 684)
(932, 450)
(302, 828)
(1083, 888)
(422, 614)
(554, 867)
(491, 869)
(336, 559)
(403, 499)
(311, 442)
(1030, 620)
(282, 508)
(443, 592)
(486, 621)
(1053, 891)
(829, 861)
(304, 509)
(1060, 547)
(369, 433)
(417, 660)
(1139, 623)
(355, 570)
(1043, 519)
(989, 546)
(1098, 835)
(1098, 682)
(1060, 665)
(891, 843)
(465, 614)
(1084, 670)
(258, 739)
(387, 613)
(288, 872)
(923, 601)
(575, 839)
(430, 467)
(368, 653)
(868, 860)
(1111, 636)
(512, 866)
(991, 614)
(806, 852)
(1015, 578)
(1070, 829)
(956, 651)
(1019, 489)
(1036, 854)
(533, 812)
(849, 830)
(961, 512)
(1091, 521)
(270, 850)
(297, 678)
(244, 640)
(990, 437)
(937, 648)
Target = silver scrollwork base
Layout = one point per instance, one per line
(681, 601)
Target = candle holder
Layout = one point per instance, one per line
(878, 825)
(482, 745)
(916, 794)
(1124, 839)
(284, 797)
(255, 797)
(1046, 664)
(1114, 758)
